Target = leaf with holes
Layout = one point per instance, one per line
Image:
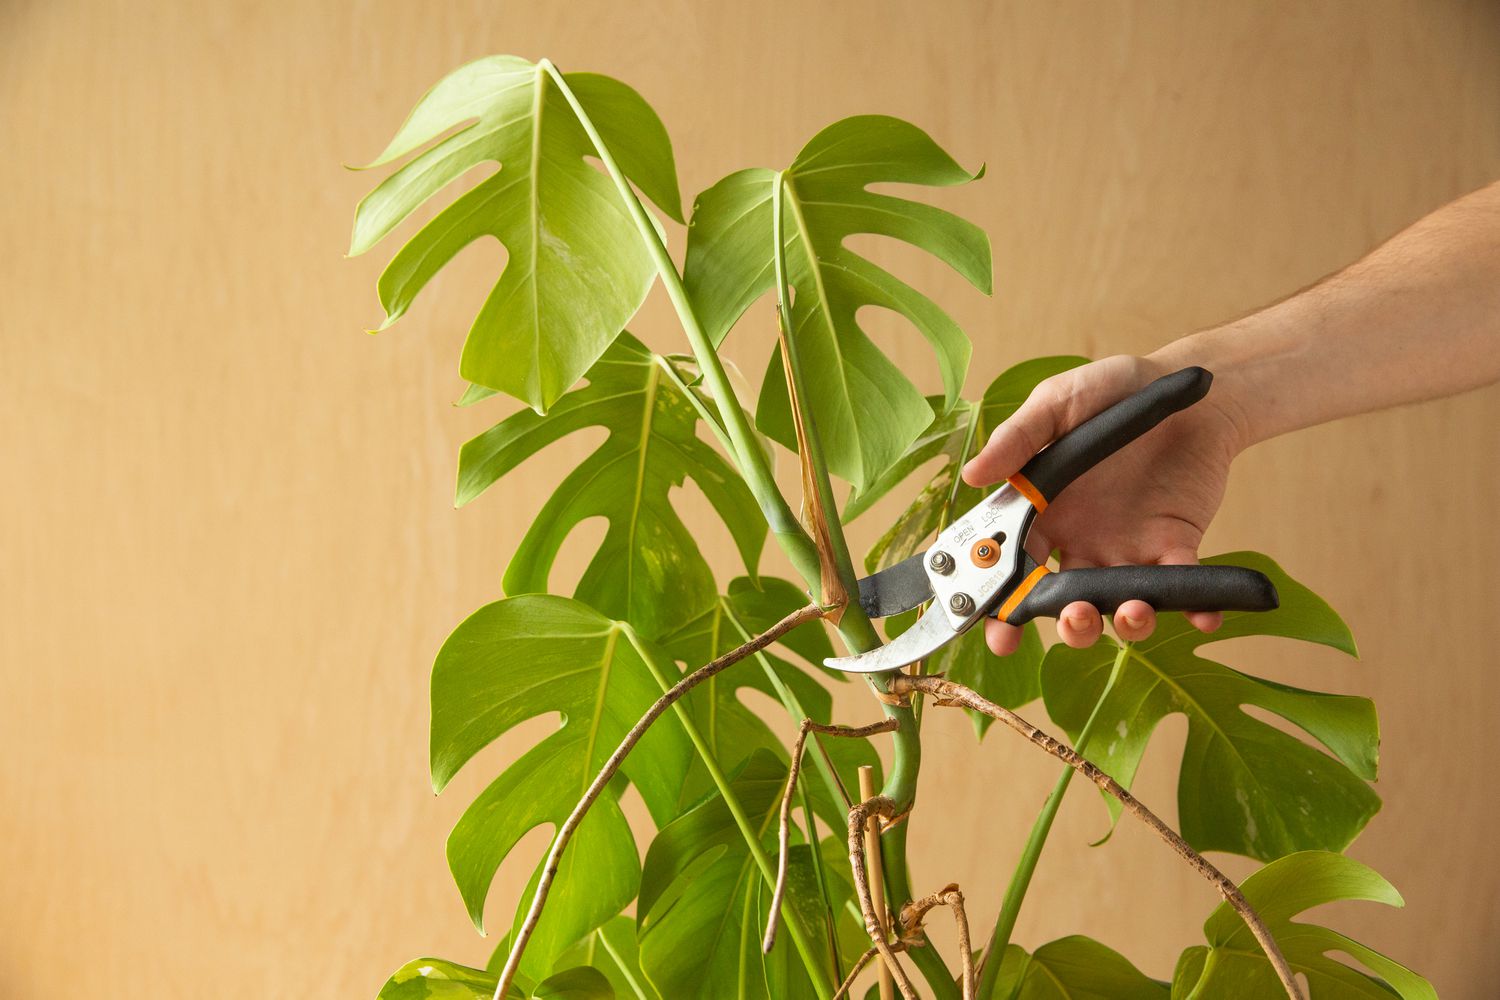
(732, 728)
(952, 440)
(532, 656)
(648, 569)
(1073, 968)
(1245, 786)
(866, 410)
(1233, 967)
(436, 979)
(701, 910)
(576, 268)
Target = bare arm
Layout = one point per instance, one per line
(1417, 319)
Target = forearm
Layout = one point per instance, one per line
(1417, 319)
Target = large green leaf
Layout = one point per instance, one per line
(537, 655)
(436, 979)
(1233, 967)
(1072, 968)
(866, 409)
(576, 267)
(702, 911)
(1246, 786)
(951, 440)
(648, 569)
(612, 949)
(733, 729)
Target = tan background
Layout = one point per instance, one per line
(228, 548)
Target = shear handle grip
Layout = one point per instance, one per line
(1165, 588)
(1105, 433)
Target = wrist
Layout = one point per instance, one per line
(1243, 357)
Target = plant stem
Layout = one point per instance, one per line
(822, 985)
(747, 454)
(951, 693)
(1020, 880)
(855, 628)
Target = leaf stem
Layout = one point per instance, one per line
(747, 452)
(822, 985)
(855, 627)
(1020, 880)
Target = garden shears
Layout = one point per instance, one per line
(979, 564)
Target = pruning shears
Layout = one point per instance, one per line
(979, 565)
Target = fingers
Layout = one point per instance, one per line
(1055, 406)
(1002, 639)
(1134, 621)
(1080, 625)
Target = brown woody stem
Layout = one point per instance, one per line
(948, 692)
(784, 834)
(612, 766)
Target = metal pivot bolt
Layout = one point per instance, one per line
(941, 562)
(961, 604)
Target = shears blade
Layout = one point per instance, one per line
(927, 636)
(896, 588)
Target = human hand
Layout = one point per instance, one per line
(1148, 503)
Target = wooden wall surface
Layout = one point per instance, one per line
(228, 547)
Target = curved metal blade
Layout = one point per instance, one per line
(896, 588)
(931, 633)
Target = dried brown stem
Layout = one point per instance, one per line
(859, 816)
(859, 966)
(911, 928)
(784, 835)
(948, 692)
(612, 766)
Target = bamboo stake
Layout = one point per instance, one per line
(876, 875)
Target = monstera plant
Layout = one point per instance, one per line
(750, 882)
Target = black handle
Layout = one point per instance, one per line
(1165, 588)
(1105, 433)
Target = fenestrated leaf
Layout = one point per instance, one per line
(701, 914)
(955, 437)
(865, 408)
(733, 730)
(612, 949)
(648, 569)
(1245, 786)
(1072, 968)
(537, 655)
(577, 268)
(1233, 967)
(436, 979)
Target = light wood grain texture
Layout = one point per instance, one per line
(225, 513)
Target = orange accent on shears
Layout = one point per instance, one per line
(1026, 489)
(1022, 589)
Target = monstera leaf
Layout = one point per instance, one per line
(612, 950)
(1232, 966)
(537, 655)
(732, 729)
(1246, 786)
(702, 907)
(955, 437)
(648, 570)
(576, 268)
(435, 979)
(1072, 968)
(866, 410)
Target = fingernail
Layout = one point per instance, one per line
(1077, 624)
(1130, 622)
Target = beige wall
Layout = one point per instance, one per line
(228, 550)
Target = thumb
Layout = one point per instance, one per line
(1055, 406)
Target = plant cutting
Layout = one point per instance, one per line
(758, 877)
